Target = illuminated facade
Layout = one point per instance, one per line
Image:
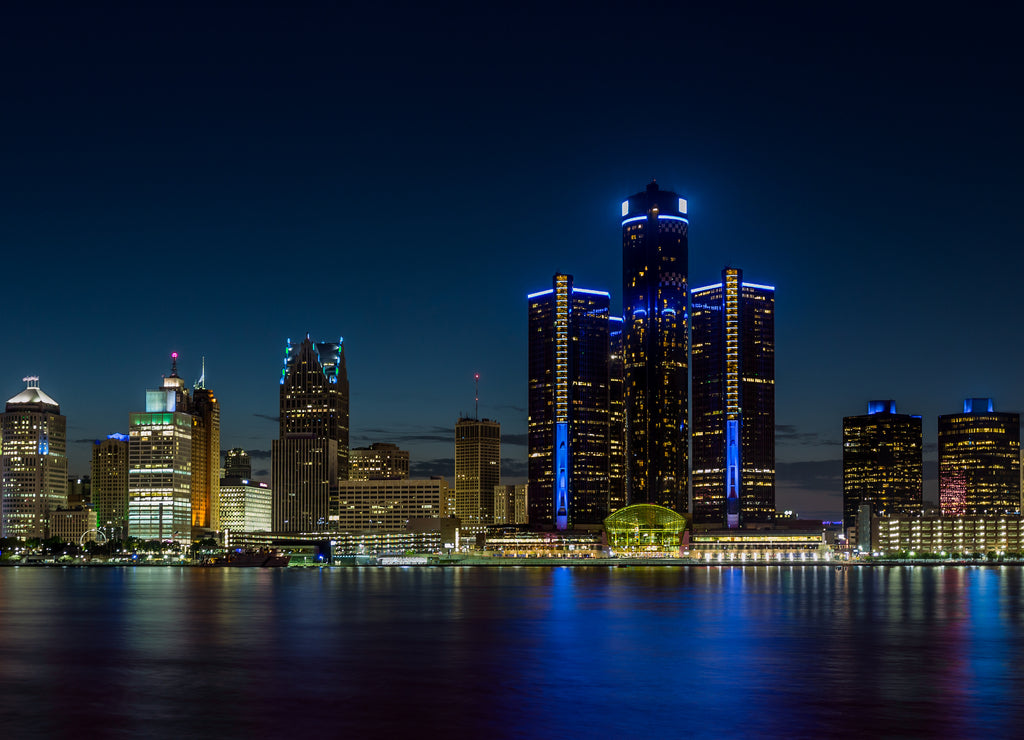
(388, 505)
(655, 347)
(645, 530)
(570, 426)
(766, 545)
(160, 464)
(205, 458)
(733, 401)
(245, 505)
(953, 536)
(74, 525)
(882, 462)
(477, 471)
(979, 461)
(510, 504)
(110, 484)
(379, 461)
(33, 462)
(311, 454)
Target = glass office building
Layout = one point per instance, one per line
(979, 461)
(655, 231)
(733, 398)
(882, 462)
(575, 465)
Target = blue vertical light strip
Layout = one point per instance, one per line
(732, 473)
(561, 476)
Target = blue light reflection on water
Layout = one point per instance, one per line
(781, 651)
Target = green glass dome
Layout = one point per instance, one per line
(645, 528)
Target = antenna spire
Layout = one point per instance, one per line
(476, 407)
(201, 383)
(174, 364)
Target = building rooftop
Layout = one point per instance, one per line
(33, 395)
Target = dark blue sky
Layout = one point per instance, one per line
(215, 181)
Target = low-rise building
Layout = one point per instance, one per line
(245, 505)
(947, 535)
(521, 541)
(388, 505)
(70, 524)
(759, 544)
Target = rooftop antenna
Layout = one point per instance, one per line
(476, 407)
(174, 364)
(201, 383)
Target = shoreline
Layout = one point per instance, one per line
(553, 563)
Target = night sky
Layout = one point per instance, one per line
(213, 182)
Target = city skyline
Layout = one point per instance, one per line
(864, 186)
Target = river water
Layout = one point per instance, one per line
(512, 652)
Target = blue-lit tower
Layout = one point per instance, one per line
(572, 460)
(655, 347)
(733, 398)
(311, 454)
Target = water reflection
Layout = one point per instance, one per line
(793, 651)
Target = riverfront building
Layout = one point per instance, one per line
(33, 462)
(310, 455)
(882, 462)
(109, 470)
(646, 530)
(979, 461)
(74, 525)
(160, 464)
(953, 536)
(572, 458)
(477, 472)
(733, 401)
(388, 505)
(245, 505)
(656, 347)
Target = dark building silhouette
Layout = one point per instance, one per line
(882, 465)
(979, 461)
(733, 398)
(109, 468)
(655, 347)
(575, 469)
(311, 454)
(237, 464)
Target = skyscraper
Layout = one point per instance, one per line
(237, 464)
(110, 484)
(205, 457)
(477, 471)
(160, 463)
(655, 347)
(33, 462)
(570, 452)
(881, 463)
(733, 401)
(311, 454)
(979, 461)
